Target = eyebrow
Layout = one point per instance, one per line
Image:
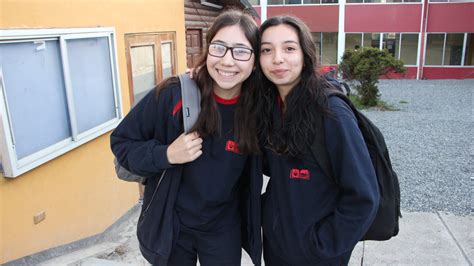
(233, 44)
(288, 41)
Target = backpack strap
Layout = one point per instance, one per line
(319, 150)
(191, 96)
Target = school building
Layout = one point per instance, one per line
(434, 38)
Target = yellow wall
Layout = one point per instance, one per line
(78, 191)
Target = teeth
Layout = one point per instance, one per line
(225, 73)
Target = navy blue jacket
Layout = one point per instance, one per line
(307, 217)
(140, 142)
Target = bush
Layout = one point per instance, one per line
(365, 66)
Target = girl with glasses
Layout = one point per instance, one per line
(308, 218)
(207, 204)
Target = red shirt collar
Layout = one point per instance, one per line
(226, 101)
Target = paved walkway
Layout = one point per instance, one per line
(424, 239)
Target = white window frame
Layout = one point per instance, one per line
(13, 167)
(444, 49)
(303, 4)
(381, 43)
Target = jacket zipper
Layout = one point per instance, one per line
(154, 193)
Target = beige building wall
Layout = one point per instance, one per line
(78, 191)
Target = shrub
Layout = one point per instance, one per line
(365, 66)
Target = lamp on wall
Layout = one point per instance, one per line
(211, 3)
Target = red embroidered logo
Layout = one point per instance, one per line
(300, 174)
(232, 147)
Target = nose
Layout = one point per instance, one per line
(277, 58)
(227, 59)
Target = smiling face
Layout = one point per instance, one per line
(281, 57)
(229, 74)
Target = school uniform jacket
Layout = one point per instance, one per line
(308, 218)
(140, 143)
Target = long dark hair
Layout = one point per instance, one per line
(304, 104)
(209, 121)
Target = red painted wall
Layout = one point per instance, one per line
(448, 73)
(383, 18)
(409, 74)
(452, 17)
(322, 18)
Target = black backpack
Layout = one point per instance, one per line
(385, 224)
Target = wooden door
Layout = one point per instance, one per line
(151, 58)
(193, 46)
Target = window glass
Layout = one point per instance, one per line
(353, 41)
(392, 1)
(143, 70)
(453, 50)
(254, 2)
(438, 1)
(91, 77)
(34, 88)
(166, 57)
(411, 1)
(469, 56)
(391, 42)
(329, 1)
(275, 2)
(434, 49)
(371, 39)
(312, 1)
(317, 42)
(329, 45)
(409, 48)
(293, 2)
(54, 88)
(355, 1)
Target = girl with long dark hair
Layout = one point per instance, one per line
(308, 217)
(207, 204)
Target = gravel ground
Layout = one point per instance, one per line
(430, 139)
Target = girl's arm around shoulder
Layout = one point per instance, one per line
(139, 141)
(352, 167)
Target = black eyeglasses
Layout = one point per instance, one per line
(238, 53)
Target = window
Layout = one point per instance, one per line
(254, 2)
(434, 49)
(300, 2)
(353, 41)
(371, 39)
(409, 48)
(469, 55)
(58, 90)
(449, 49)
(453, 49)
(382, 1)
(403, 46)
(391, 42)
(166, 61)
(326, 45)
(143, 70)
(451, 1)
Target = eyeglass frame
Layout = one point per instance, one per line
(227, 48)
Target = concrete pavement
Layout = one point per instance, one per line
(424, 239)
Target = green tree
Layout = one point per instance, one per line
(365, 66)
